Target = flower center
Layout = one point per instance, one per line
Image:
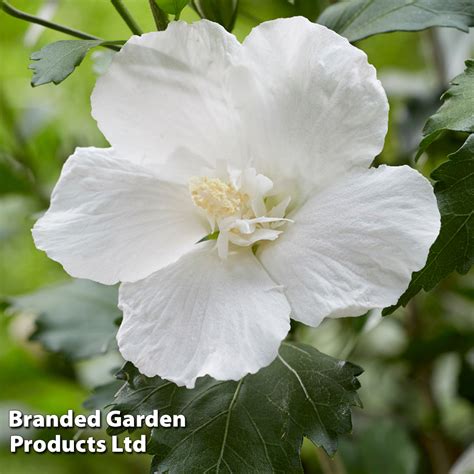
(217, 198)
(238, 208)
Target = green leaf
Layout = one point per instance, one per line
(223, 12)
(172, 7)
(264, 10)
(76, 318)
(254, 425)
(102, 396)
(56, 61)
(453, 250)
(456, 113)
(359, 19)
(159, 16)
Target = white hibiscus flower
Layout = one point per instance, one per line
(262, 147)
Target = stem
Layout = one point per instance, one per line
(160, 17)
(12, 11)
(127, 17)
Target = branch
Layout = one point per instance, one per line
(12, 11)
(127, 17)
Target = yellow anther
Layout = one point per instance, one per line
(217, 198)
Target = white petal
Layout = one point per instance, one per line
(354, 246)
(259, 234)
(182, 165)
(111, 220)
(312, 105)
(280, 209)
(165, 90)
(203, 315)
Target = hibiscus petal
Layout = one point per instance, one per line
(354, 246)
(111, 220)
(311, 105)
(203, 315)
(165, 90)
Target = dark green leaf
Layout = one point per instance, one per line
(454, 247)
(103, 395)
(223, 12)
(254, 425)
(159, 15)
(172, 7)
(457, 111)
(56, 61)
(359, 19)
(76, 318)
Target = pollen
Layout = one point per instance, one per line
(218, 198)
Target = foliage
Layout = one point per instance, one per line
(359, 19)
(172, 7)
(255, 424)
(403, 356)
(223, 12)
(103, 395)
(453, 250)
(87, 327)
(56, 61)
(456, 112)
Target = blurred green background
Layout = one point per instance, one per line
(418, 385)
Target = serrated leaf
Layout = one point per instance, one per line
(76, 318)
(172, 7)
(56, 61)
(359, 19)
(254, 425)
(457, 111)
(453, 250)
